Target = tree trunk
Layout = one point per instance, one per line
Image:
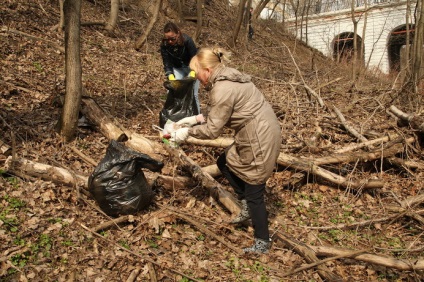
(113, 17)
(102, 120)
(199, 20)
(142, 39)
(417, 56)
(232, 41)
(69, 119)
(258, 10)
(62, 15)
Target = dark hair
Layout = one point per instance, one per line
(172, 27)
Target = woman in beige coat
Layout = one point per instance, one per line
(236, 103)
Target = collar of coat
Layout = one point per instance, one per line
(225, 73)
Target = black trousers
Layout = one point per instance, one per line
(254, 196)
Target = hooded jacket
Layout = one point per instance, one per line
(237, 104)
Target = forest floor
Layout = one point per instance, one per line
(50, 231)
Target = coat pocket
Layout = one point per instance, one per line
(246, 143)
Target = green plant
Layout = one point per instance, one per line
(14, 203)
(38, 66)
(10, 221)
(19, 260)
(124, 244)
(152, 244)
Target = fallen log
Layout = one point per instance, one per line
(362, 156)
(309, 166)
(112, 130)
(45, 172)
(416, 122)
(4, 148)
(366, 144)
(21, 166)
(220, 142)
(400, 264)
(308, 254)
(102, 120)
(206, 180)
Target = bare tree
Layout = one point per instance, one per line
(113, 17)
(199, 20)
(417, 54)
(232, 40)
(69, 119)
(142, 39)
(259, 7)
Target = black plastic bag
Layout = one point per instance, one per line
(118, 184)
(180, 102)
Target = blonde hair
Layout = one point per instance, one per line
(209, 58)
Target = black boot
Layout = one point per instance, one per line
(261, 246)
(243, 215)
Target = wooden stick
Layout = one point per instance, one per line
(409, 265)
(203, 229)
(416, 122)
(366, 144)
(4, 148)
(308, 266)
(308, 254)
(207, 181)
(349, 128)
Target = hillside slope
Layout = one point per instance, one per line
(50, 231)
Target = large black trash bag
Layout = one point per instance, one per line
(118, 184)
(180, 102)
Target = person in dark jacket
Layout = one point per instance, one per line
(236, 103)
(177, 49)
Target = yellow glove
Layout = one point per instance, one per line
(192, 74)
(171, 77)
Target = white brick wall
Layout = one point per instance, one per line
(322, 29)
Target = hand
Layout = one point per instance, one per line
(190, 121)
(179, 135)
(192, 74)
(171, 77)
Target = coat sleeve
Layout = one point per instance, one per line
(222, 104)
(167, 61)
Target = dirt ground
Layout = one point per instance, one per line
(50, 231)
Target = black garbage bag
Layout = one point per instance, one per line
(180, 102)
(118, 184)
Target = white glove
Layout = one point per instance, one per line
(190, 121)
(179, 135)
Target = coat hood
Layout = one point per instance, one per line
(230, 74)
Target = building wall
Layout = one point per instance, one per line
(381, 20)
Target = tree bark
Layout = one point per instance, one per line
(142, 39)
(45, 172)
(199, 21)
(207, 181)
(372, 258)
(68, 123)
(4, 148)
(416, 122)
(308, 254)
(113, 17)
(233, 39)
(102, 120)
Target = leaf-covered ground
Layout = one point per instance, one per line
(48, 231)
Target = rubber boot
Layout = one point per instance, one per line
(243, 215)
(261, 246)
